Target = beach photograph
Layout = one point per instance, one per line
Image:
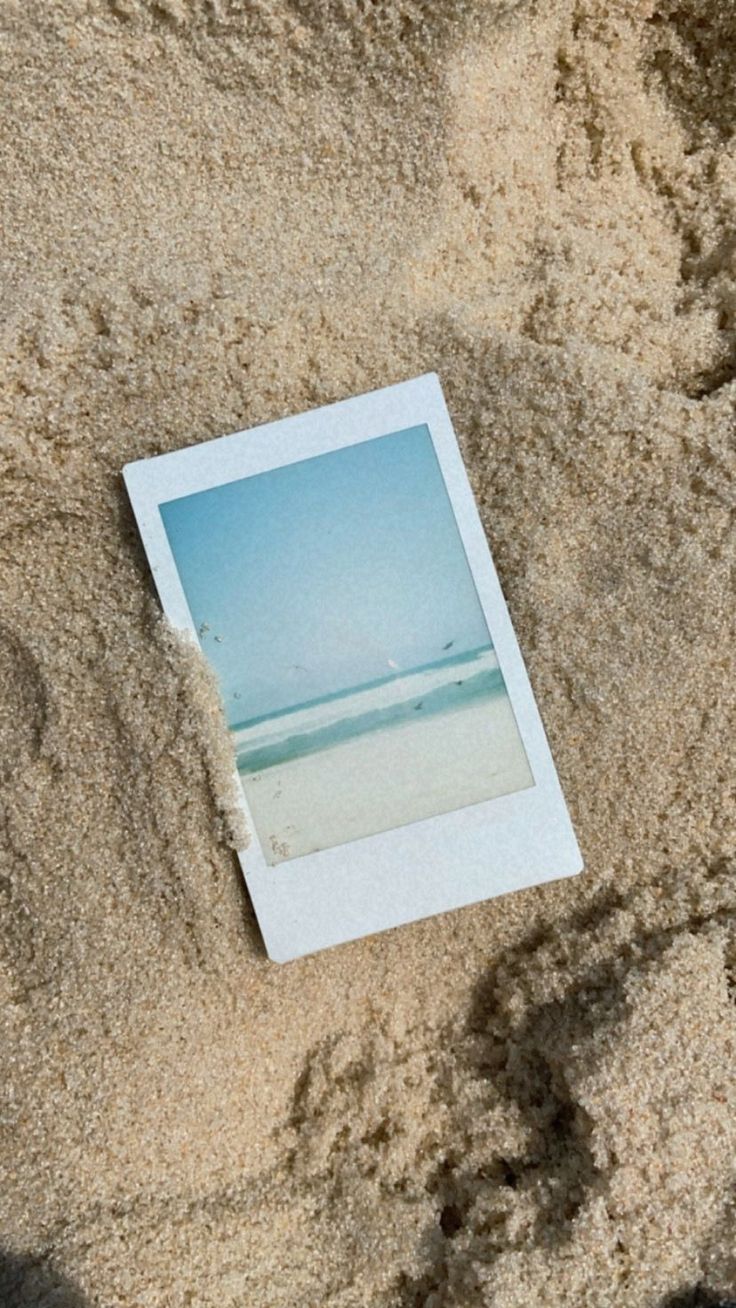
(335, 602)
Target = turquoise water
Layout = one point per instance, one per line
(443, 686)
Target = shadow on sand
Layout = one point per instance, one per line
(33, 1282)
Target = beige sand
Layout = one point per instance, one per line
(217, 212)
(385, 779)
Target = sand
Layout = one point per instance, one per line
(385, 779)
(218, 212)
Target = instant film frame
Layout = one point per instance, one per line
(375, 881)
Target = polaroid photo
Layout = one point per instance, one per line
(390, 756)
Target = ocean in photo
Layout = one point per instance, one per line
(446, 684)
(409, 746)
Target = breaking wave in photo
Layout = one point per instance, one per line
(439, 687)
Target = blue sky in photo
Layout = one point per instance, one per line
(325, 574)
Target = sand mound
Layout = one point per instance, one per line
(218, 212)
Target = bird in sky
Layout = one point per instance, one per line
(449, 644)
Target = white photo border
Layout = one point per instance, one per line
(431, 866)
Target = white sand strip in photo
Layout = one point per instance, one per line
(387, 779)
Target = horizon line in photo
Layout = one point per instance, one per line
(417, 696)
(464, 656)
